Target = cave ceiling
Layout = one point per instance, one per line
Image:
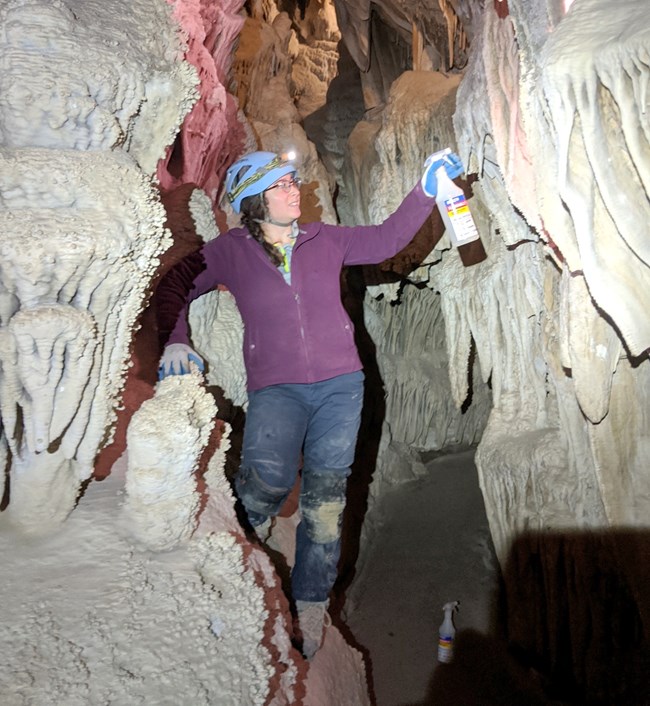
(443, 26)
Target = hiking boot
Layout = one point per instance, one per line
(313, 618)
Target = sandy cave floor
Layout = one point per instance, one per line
(576, 600)
(432, 547)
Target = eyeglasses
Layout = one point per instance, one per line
(286, 186)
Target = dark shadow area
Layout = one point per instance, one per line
(353, 290)
(4, 470)
(235, 416)
(372, 418)
(577, 609)
(573, 627)
(483, 673)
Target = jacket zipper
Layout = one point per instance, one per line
(296, 297)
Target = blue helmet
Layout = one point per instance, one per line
(253, 174)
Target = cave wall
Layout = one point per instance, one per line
(578, 126)
(551, 115)
(82, 229)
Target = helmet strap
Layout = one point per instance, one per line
(276, 223)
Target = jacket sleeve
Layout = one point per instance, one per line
(186, 281)
(369, 245)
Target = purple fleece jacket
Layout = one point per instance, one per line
(298, 333)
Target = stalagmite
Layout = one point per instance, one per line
(165, 439)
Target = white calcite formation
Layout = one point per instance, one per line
(217, 335)
(560, 449)
(89, 75)
(90, 95)
(112, 624)
(552, 116)
(595, 73)
(82, 232)
(164, 509)
(215, 322)
(166, 438)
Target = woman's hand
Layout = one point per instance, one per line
(453, 167)
(179, 359)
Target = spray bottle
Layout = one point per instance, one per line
(447, 632)
(457, 217)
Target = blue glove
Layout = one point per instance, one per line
(179, 359)
(452, 164)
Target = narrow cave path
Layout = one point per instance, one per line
(432, 546)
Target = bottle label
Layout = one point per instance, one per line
(445, 648)
(461, 219)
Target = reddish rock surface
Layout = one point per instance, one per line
(211, 136)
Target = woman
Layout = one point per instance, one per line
(304, 375)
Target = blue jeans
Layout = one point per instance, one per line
(321, 420)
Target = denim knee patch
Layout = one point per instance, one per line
(256, 495)
(323, 521)
(322, 502)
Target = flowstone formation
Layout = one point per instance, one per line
(570, 114)
(81, 135)
(550, 117)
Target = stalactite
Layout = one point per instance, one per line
(593, 347)
(540, 115)
(620, 446)
(47, 355)
(456, 36)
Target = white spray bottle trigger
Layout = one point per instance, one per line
(440, 154)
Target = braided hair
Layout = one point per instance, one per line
(253, 214)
